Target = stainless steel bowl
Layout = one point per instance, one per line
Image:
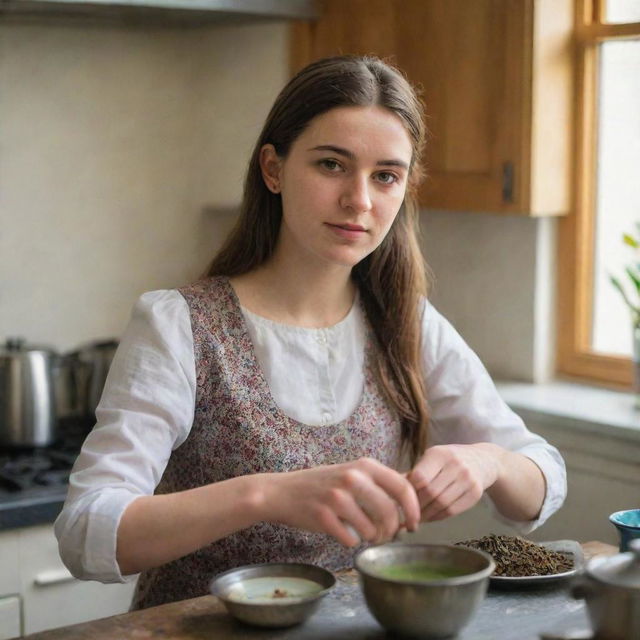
(272, 594)
(430, 608)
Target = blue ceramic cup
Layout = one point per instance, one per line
(628, 525)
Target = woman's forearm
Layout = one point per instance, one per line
(362, 496)
(160, 528)
(520, 488)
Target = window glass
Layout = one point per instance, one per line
(617, 191)
(622, 11)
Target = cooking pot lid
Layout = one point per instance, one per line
(18, 345)
(621, 570)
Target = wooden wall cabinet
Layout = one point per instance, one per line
(496, 77)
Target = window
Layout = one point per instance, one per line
(595, 330)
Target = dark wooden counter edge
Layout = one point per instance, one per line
(189, 619)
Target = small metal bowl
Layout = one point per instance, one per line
(424, 607)
(272, 594)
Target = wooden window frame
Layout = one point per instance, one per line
(576, 358)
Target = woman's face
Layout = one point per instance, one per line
(342, 184)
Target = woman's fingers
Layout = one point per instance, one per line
(343, 532)
(443, 501)
(353, 517)
(432, 491)
(374, 500)
(362, 503)
(359, 500)
(446, 482)
(464, 501)
(400, 492)
(381, 510)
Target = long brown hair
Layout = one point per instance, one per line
(392, 279)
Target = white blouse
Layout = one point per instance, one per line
(147, 410)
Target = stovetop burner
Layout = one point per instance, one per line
(29, 470)
(50, 466)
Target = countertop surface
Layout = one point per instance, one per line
(521, 614)
(30, 506)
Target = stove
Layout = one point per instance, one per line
(22, 469)
(33, 481)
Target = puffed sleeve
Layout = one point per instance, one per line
(145, 412)
(466, 408)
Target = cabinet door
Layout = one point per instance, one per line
(9, 563)
(346, 27)
(9, 617)
(51, 596)
(468, 58)
(493, 145)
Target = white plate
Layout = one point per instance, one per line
(569, 548)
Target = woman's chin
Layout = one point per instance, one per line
(346, 257)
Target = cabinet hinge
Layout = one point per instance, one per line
(507, 181)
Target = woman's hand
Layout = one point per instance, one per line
(361, 498)
(450, 479)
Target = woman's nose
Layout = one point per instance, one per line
(356, 195)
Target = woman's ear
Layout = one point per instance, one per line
(271, 165)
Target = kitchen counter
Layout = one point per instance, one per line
(30, 506)
(505, 614)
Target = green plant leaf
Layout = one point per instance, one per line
(630, 240)
(618, 285)
(634, 277)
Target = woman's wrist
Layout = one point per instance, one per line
(492, 464)
(520, 486)
(254, 497)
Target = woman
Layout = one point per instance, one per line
(260, 414)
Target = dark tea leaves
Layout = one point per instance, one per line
(516, 557)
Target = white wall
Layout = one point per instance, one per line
(495, 281)
(113, 142)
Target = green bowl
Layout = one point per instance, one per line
(423, 606)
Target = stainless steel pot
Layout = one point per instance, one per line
(27, 396)
(87, 369)
(611, 588)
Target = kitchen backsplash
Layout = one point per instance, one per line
(121, 163)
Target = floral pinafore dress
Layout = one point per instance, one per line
(238, 429)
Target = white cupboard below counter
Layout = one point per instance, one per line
(37, 592)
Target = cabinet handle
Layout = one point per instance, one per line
(507, 181)
(54, 576)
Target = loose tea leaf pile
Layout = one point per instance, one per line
(517, 557)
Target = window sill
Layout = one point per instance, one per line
(575, 406)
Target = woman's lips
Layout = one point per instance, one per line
(348, 231)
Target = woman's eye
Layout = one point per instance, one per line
(386, 177)
(330, 165)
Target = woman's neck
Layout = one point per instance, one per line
(298, 295)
